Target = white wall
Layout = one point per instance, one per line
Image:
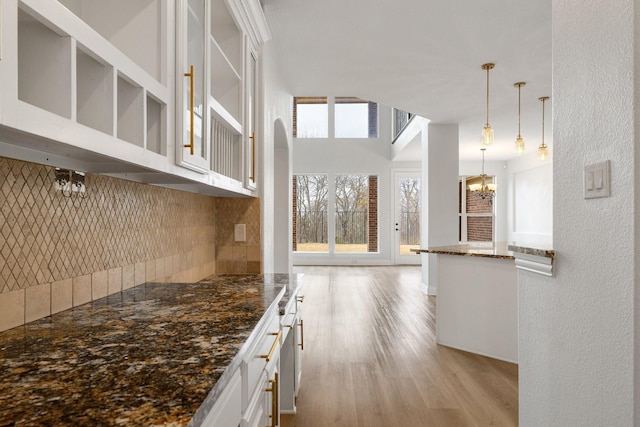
(578, 329)
(530, 199)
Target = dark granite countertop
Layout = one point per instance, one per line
(534, 249)
(151, 355)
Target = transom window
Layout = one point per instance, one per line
(353, 117)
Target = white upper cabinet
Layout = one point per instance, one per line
(107, 87)
(78, 83)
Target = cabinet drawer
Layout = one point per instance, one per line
(265, 351)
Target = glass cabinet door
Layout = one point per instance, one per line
(252, 138)
(194, 153)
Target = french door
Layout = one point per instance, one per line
(406, 223)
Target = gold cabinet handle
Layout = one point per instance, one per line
(275, 405)
(301, 334)
(190, 74)
(253, 157)
(268, 357)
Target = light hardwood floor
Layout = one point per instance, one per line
(370, 358)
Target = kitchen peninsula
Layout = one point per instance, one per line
(156, 354)
(477, 294)
(477, 302)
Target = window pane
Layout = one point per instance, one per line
(479, 228)
(310, 213)
(352, 208)
(311, 117)
(355, 118)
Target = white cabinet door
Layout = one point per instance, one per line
(227, 410)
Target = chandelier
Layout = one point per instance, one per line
(483, 189)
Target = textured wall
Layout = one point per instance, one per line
(577, 328)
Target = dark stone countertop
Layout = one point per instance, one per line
(156, 354)
(476, 249)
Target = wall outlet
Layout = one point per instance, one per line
(240, 232)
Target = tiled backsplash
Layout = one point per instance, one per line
(238, 257)
(58, 252)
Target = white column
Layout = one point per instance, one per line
(439, 195)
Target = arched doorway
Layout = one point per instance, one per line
(282, 200)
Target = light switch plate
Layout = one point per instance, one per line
(597, 180)
(240, 232)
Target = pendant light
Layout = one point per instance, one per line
(487, 132)
(519, 140)
(543, 149)
(483, 190)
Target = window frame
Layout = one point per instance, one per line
(463, 215)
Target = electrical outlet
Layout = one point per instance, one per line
(240, 232)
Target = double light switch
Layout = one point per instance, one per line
(597, 180)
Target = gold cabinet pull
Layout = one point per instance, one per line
(190, 74)
(301, 334)
(275, 404)
(253, 157)
(268, 357)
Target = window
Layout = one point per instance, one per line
(310, 225)
(400, 120)
(353, 117)
(310, 117)
(476, 217)
(354, 208)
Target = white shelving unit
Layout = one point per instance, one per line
(99, 86)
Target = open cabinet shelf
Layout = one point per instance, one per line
(44, 66)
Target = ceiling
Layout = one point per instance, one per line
(425, 57)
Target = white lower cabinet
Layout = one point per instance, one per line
(260, 371)
(227, 410)
(291, 355)
(268, 380)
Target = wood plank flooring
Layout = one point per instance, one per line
(370, 358)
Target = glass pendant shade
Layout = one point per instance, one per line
(519, 145)
(543, 152)
(487, 135)
(487, 131)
